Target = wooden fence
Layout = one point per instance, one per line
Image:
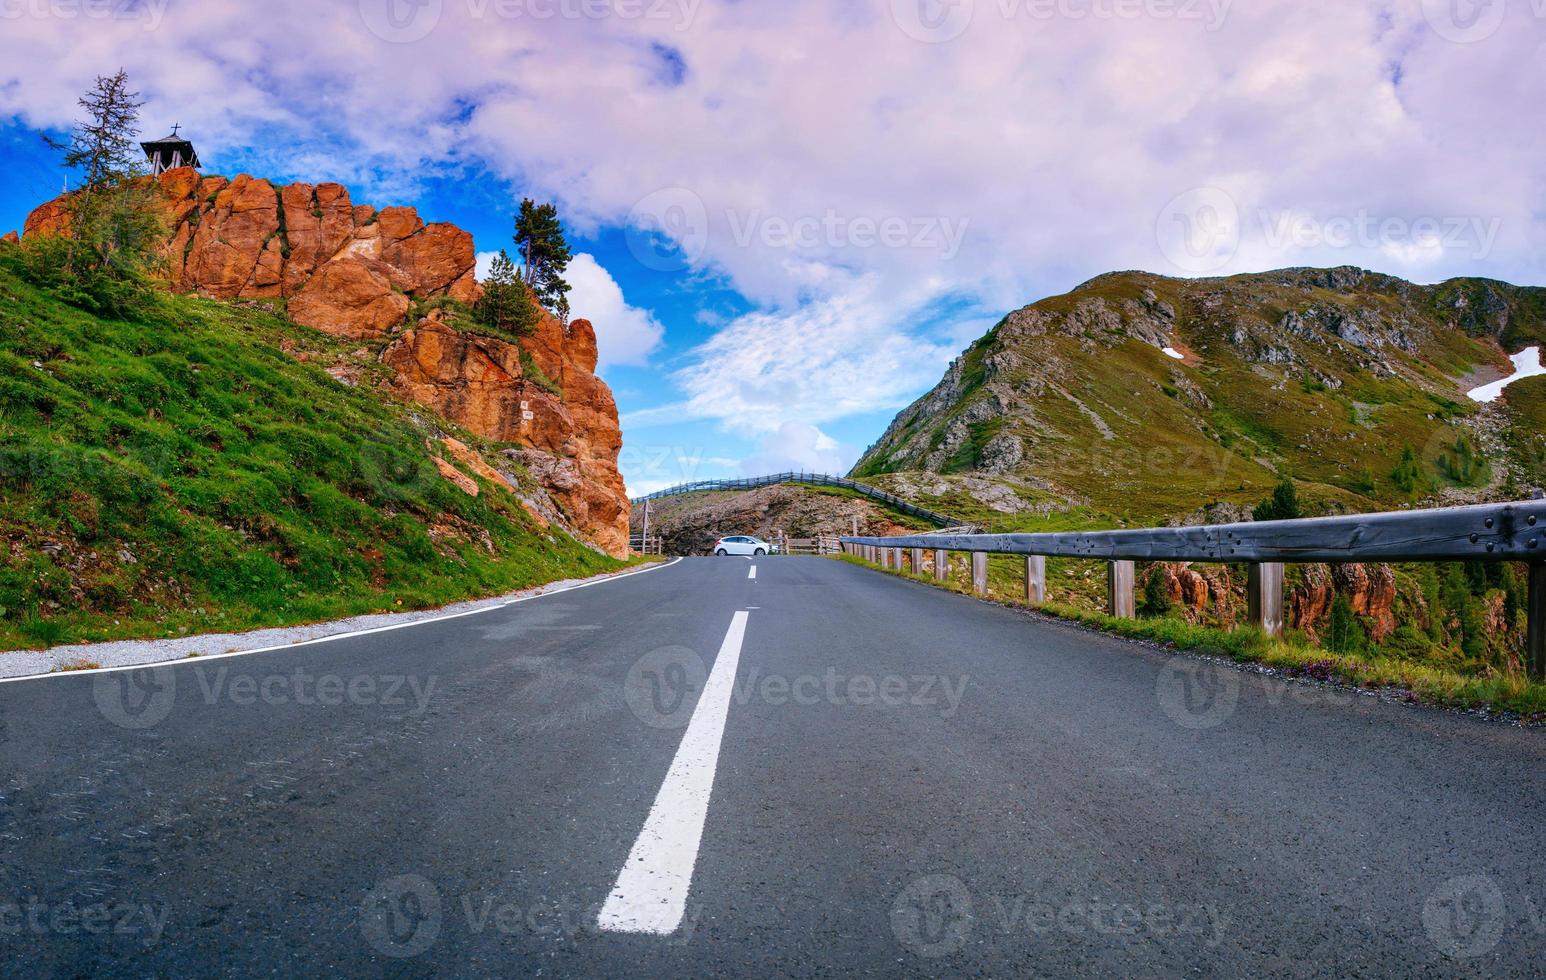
(1486, 532)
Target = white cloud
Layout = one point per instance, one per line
(820, 361)
(624, 334)
(802, 447)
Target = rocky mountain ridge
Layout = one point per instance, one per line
(350, 270)
(1141, 394)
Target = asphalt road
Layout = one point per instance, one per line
(904, 782)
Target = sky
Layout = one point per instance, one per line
(790, 216)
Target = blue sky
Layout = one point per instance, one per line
(792, 216)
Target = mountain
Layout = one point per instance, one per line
(1153, 398)
(210, 467)
(391, 282)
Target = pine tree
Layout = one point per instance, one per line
(103, 145)
(1283, 505)
(102, 262)
(1156, 596)
(506, 305)
(1408, 474)
(539, 236)
(1345, 634)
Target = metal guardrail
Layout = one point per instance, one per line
(1484, 532)
(815, 479)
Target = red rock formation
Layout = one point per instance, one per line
(567, 439)
(352, 271)
(9, 238)
(347, 269)
(1371, 591)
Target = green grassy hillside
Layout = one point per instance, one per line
(180, 473)
(1332, 376)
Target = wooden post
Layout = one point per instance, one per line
(1535, 632)
(917, 568)
(980, 572)
(1120, 576)
(1035, 579)
(896, 559)
(941, 566)
(644, 537)
(1264, 594)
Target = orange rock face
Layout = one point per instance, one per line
(350, 270)
(569, 440)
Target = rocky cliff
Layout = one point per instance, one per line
(350, 270)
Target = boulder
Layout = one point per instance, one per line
(349, 298)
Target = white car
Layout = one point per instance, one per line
(742, 545)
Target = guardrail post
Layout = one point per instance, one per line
(1035, 579)
(941, 566)
(1120, 577)
(1535, 632)
(917, 568)
(1264, 592)
(980, 572)
(896, 559)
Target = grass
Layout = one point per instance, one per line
(1293, 655)
(177, 473)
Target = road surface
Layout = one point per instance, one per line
(697, 771)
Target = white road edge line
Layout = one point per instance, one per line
(186, 661)
(752, 572)
(651, 890)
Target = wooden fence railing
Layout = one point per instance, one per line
(1485, 532)
(814, 479)
(652, 545)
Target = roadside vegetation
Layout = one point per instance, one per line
(173, 471)
(1363, 666)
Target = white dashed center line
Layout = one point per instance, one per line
(752, 573)
(651, 890)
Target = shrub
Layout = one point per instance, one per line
(1345, 634)
(1283, 505)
